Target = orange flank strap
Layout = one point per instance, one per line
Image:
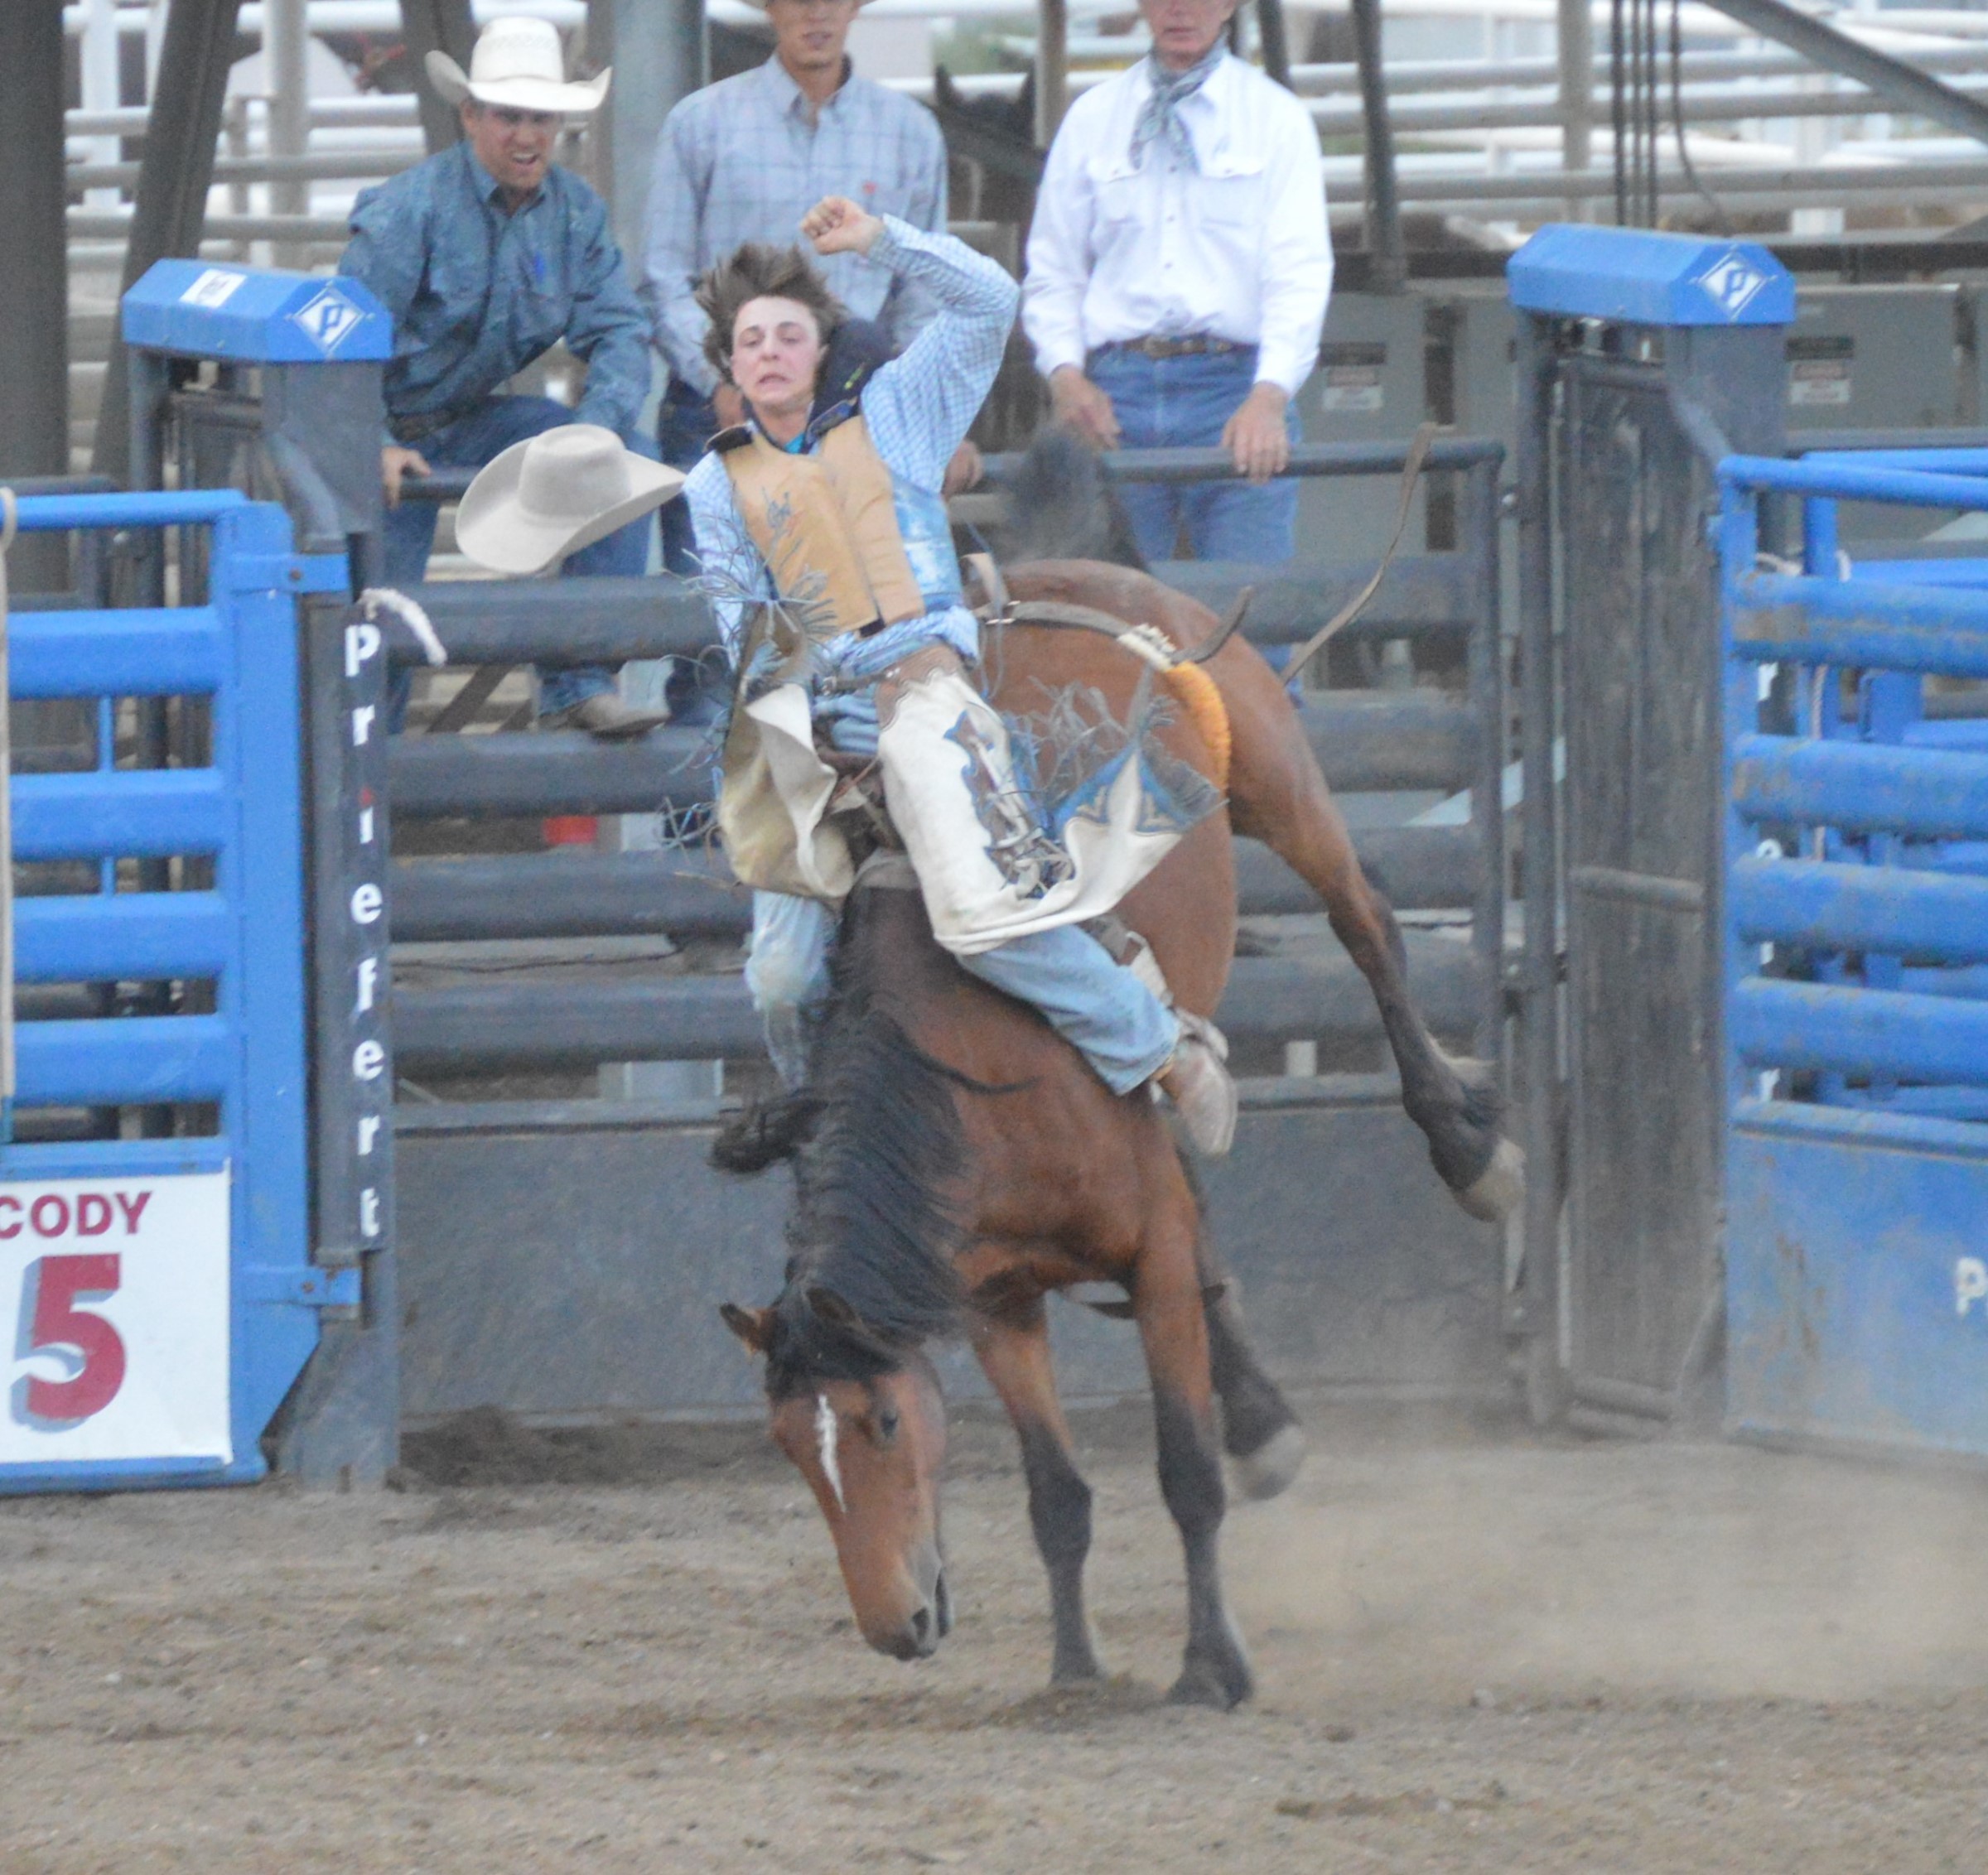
(1198, 696)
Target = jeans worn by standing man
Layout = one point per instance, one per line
(487, 256)
(1179, 268)
(744, 159)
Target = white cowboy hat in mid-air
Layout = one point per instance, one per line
(552, 494)
(517, 65)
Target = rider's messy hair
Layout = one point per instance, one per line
(757, 271)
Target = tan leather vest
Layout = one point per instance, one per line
(826, 524)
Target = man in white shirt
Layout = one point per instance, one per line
(1179, 268)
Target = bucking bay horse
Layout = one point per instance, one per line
(960, 1161)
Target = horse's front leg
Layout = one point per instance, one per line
(1166, 1301)
(1014, 1351)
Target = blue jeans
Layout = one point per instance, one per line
(469, 442)
(1182, 403)
(1097, 1006)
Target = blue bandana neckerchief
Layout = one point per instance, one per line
(1159, 115)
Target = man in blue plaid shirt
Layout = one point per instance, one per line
(744, 159)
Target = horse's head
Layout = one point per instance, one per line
(865, 1423)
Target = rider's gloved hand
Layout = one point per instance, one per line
(851, 722)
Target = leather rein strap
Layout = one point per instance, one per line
(1411, 471)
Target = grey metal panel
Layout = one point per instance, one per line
(580, 1271)
(1368, 386)
(1878, 358)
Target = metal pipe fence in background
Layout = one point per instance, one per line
(1439, 742)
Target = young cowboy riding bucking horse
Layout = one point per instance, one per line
(825, 543)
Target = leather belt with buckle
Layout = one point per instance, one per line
(1192, 344)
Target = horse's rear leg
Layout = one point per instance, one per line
(1014, 1350)
(1286, 803)
(1167, 1304)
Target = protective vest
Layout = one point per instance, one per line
(849, 544)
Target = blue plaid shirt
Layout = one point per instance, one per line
(740, 160)
(477, 294)
(918, 408)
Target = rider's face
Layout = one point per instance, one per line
(776, 354)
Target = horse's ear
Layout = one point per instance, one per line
(830, 1308)
(752, 1325)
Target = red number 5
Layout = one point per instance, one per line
(57, 1283)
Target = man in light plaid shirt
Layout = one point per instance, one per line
(744, 159)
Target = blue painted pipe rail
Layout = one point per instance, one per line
(1888, 909)
(1790, 619)
(145, 813)
(1863, 787)
(128, 1060)
(56, 514)
(122, 936)
(1915, 488)
(139, 653)
(1835, 1029)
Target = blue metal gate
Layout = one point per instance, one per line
(165, 1298)
(1856, 922)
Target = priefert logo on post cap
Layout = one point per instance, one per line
(1730, 284)
(327, 320)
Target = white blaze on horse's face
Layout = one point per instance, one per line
(826, 1429)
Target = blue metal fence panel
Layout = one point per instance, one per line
(1856, 1155)
(165, 1298)
(1857, 1277)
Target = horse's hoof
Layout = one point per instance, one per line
(1220, 1685)
(1499, 1189)
(1267, 1472)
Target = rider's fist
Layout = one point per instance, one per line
(836, 225)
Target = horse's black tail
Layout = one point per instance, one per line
(1062, 506)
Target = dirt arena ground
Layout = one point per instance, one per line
(1477, 1651)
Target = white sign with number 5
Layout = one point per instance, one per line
(118, 1290)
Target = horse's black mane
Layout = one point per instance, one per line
(873, 1227)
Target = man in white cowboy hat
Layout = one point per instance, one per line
(743, 159)
(487, 256)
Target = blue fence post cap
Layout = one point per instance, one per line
(259, 314)
(1640, 277)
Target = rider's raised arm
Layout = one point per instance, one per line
(733, 574)
(919, 406)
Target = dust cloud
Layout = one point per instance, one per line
(1415, 1558)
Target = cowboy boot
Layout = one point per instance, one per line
(1198, 1082)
